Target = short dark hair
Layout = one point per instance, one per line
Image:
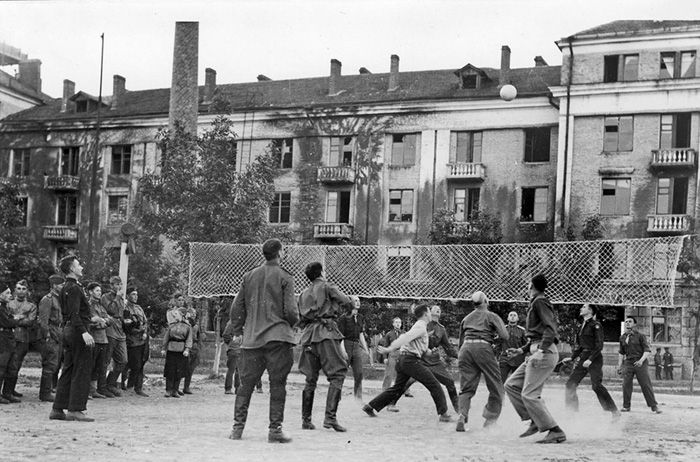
(23, 283)
(271, 248)
(594, 309)
(92, 286)
(420, 310)
(539, 282)
(313, 270)
(131, 289)
(65, 263)
(632, 318)
(115, 279)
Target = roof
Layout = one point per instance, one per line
(8, 81)
(353, 90)
(637, 27)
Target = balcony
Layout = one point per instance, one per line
(336, 175)
(678, 157)
(61, 233)
(465, 171)
(62, 182)
(668, 224)
(332, 231)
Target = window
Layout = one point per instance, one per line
(537, 141)
(121, 160)
(470, 81)
(398, 262)
(672, 196)
(70, 158)
(401, 205)
(666, 325)
(23, 205)
(280, 208)
(620, 68)
(533, 207)
(403, 150)
(341, 151)
(283, 149)
(466, 203)
(675, 131)
(338, 207)
(615, 196)
(619, 132)
(67, 211)
(20, 162)
(677, 65)
(467, 147)
(117, 209)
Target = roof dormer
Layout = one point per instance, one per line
(471, 77)
(85, 102)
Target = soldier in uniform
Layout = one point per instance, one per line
(193, 360)
(113, 302)
(25, 333)
(319, 307)
(50, 321)
(634, 361)
(7, 337)
(667, 361)
(508, 364)
(136, 327)
(588, 359)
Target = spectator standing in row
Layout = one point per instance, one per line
(193, 357)
(668, 363)
(658, 364)
(136, 327)
(233, 353)
(99, 320)
(25, 334)
(177, 344)
(7, 337)
(113, 302)
(74, 383)
(49, 321)
(352, 326)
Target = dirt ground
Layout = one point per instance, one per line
(196, 427)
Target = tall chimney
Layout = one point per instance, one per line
(394, 73)
(539, 61)
(184, 93)
(335, 76)
(209, 84)
(118, 91)
(504, 77)
(68, 91)
(30, 73)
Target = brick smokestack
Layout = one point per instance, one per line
(118, 91)
(184, 93)
(209, 84)
(335, 76)
(394, 73)
(30, 73)
(539, 61)
(504, 77)
(68, 91)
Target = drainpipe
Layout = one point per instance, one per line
(432, 210)
(566, 134)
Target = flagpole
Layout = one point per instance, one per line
(93, 224)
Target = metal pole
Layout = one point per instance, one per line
(93, 224)
(123, 264)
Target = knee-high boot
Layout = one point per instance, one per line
(307, 404)
(331, 421)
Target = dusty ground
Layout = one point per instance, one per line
(196, 427)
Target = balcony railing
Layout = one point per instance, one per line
(62, 182)
(61, 233)
(678, 157)
(336, 175)
(668, 224)
(332, 230)
(466, 170)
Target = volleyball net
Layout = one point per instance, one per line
(611, 272)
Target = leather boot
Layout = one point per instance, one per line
(186, 388)
(8, 388)
(307, 404)
(168, 388)
(45, 388)
(240, 414)
(93, 390)
(332, 401)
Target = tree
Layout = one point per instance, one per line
(18, 259)
(198, 196)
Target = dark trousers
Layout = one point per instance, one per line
(354, 350)
(411, 366)
(669, 372)
(476, 359)
(629, 371)
(658, 372)
(507, 369)
(277, 359)
(231, 381)
(595, 370)
(7, 353)
(325, 355)
(136, 363)
(116, 353)
(21, 349)
(74, 383)
(192, 363)
(98, 363)
(440, 372)
(49, 364)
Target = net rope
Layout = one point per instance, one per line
(613, 272)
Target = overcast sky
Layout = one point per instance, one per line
(296, 39)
